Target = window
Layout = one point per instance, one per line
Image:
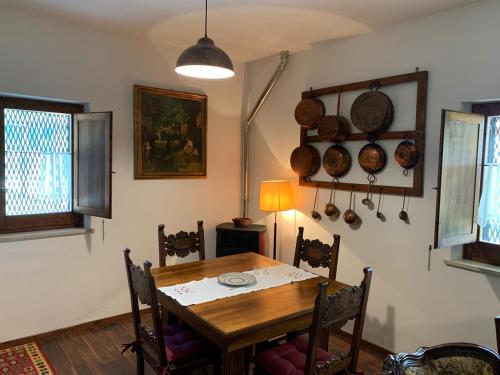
(486, 249)
(44, 148)
(468, 204)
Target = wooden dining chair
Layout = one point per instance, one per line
(181, 244)
(317, 254)
(304, 356)
(171, 349)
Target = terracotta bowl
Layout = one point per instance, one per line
(242, 222)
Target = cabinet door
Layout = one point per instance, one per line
(459, 178)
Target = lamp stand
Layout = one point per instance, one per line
(275, 231)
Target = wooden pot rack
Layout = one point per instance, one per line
(417, 135)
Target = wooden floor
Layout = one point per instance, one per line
(95, 349)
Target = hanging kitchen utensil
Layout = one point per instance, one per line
(350, 216)
(337, 161)
(367, 201)
(305, 160)
(308, 112)
(403, 215)
(330, 208)
(406, 155)
(315, 214)
(334, 128)
(372, 158)
(372, 112)
(379, 214)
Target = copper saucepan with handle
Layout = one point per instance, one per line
(406, 155)
(334, 128)
(308, 112)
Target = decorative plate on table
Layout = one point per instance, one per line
(236, 279)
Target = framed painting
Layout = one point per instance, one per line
(170, 134)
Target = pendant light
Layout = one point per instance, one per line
(205, 59)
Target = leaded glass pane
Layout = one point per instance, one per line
(490, 232)
(38, 170)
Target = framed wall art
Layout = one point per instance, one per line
(170, 134)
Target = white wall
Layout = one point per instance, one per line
(54, 283)
(408, 306)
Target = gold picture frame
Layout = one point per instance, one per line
(170, 134)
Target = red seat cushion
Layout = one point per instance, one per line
(181, 343)
(289, 358)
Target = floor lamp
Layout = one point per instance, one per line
(275, 196)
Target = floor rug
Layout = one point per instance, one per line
(27, 359)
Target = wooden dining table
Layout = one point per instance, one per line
(235, 323)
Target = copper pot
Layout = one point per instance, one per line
(305, 160)
(372, 112)
(334, 128)
(372, 158)
(337, 161)
(406, 154)
(308, 112)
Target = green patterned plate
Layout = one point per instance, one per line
(236, 279)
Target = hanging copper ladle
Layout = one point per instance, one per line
(350, 216)
(379, 213)
(315, 214)
(403, 215)
(330, 208)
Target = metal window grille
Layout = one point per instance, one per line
(491, 231)
(38, 163)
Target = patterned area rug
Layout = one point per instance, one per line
(27, 359)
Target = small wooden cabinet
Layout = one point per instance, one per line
(236, 240)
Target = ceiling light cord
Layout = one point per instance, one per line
(206, 11)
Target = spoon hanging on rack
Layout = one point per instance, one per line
(315, 214)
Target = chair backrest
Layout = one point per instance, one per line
(469, 358)
(317, 254)
(142, 288)
(181, 243)
(497, 328)
(335, 310)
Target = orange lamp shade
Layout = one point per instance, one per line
(275, 195)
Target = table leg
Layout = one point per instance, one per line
(233, 363)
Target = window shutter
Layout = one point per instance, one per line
(92, 136)
(459, 178)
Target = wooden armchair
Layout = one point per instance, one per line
(180, 244)
(446, 359)
(171, 349)
(317, 254)
(304, 356)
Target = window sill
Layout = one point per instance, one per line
(25, 236)
(470, 265)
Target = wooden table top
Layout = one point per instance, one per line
(271, 309)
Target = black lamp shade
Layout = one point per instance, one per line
(205, 60)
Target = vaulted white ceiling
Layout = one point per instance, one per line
(246, 29)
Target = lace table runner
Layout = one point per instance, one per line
(208, 289)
